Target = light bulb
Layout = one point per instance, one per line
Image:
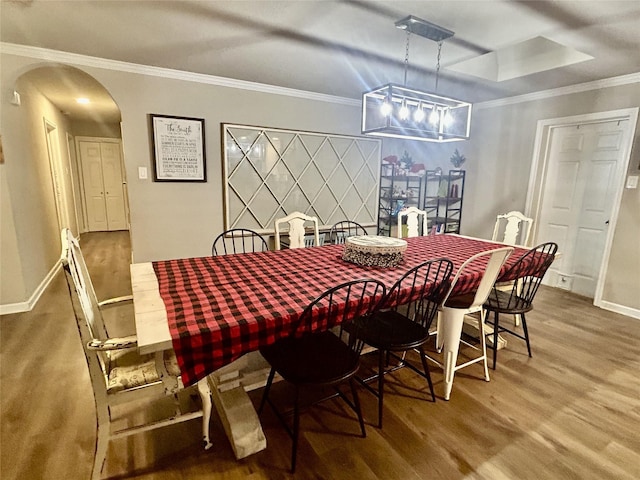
(434, 117)
(419, 114)
(404, 111)
(385, 108)
(448, 118)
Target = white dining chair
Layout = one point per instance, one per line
(296, 229)
(118, 373)
(413, 216)
(455, 308)
(515, 228)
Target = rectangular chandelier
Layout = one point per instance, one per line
(403, 112)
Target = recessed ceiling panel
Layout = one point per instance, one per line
(531, 56)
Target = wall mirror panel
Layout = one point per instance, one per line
(269, 173)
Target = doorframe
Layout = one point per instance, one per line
(539, 166)
(53, 152)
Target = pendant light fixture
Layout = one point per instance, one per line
(399, 111)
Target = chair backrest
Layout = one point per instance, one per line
(517, 228)
(486, 264)
(339, 307)
(413, 215)
(238, 240)
(87, 312)
(420, 291)
(342, 230)
(526, 276)
(310, 240)
(296, 227)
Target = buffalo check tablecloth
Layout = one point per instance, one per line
(222, 307)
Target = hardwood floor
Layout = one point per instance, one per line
(571, 411)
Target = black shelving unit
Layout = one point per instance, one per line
(396, 192)
(443, 194)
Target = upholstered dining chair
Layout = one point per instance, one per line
(295, 223)
(238, 240)
(512, 228)
(487, 265)
(403, 322)
(416, 222)
(346, 228)
(118, 373)
(313, 354)
(528, 272)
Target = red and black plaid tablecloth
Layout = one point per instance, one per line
(220, 308)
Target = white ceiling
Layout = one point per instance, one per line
(334, 47)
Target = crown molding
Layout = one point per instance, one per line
(97, 62)
(556, 92)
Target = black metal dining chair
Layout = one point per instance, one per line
(412, 305)
(346, 228)
(322, 349)
(238, 240)
(522, 280)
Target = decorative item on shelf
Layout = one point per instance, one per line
(417, 170)
(389, 164)
(402, 112)
(399, 206)
(406, 161)
(457, 159)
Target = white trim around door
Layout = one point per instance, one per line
(539, 166)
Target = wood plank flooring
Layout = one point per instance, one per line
(570, 412)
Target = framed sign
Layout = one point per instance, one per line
(178, 149)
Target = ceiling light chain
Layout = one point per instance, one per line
(438, 63)
(406, 58)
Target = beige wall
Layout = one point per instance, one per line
(170, 220)
(93, 129)
(500, 156)
(33, 244)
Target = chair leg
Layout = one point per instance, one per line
(427, 372)
(496, 316)
(267, 387)
(381, 359)
(296, 429)
(483, 342)
(356, 403)
(439, 335)
(205, 398)
(526, 333)
(102, 442)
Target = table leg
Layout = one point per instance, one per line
(450, 330)
(205, 397)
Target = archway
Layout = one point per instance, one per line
(75, 187)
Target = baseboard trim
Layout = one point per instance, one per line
(33, 300)
(621, 309)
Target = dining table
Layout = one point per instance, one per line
(213, 310)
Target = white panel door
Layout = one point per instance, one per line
(578, 200)
(114, 194)
(91, 161)
(103, 185)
